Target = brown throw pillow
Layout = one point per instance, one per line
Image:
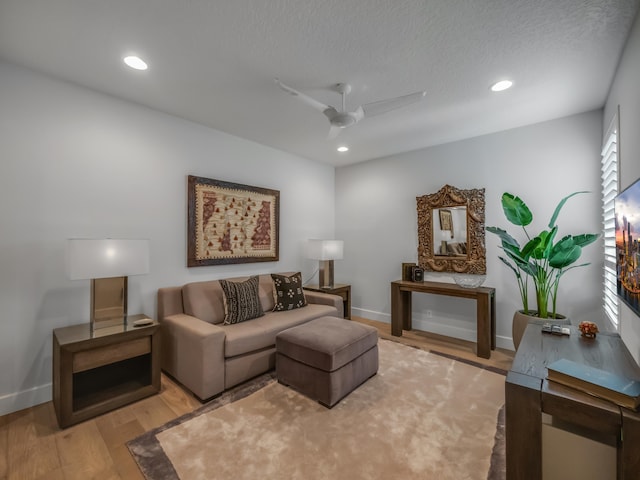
(241, 300)
(287, 292)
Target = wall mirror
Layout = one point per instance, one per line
(451, 231)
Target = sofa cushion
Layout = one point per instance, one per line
(287, 292)
(204, 300)
(241, 300)
(266, 292)
(247, 337)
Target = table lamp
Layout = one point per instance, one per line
(107, 263)
(325, 251)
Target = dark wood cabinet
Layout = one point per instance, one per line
(97, 371)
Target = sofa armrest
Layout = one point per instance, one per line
(325, 299)
(193, 353)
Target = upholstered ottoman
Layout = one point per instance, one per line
(326, 358)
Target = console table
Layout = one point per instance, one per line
(485, 298)
(528, 394)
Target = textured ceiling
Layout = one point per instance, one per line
(214, 61)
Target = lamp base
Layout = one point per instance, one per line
(325, 277)
(108, 301)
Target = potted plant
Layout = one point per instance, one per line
(541, 260)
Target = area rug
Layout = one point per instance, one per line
(422, 416)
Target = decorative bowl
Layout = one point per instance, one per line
(468, 280)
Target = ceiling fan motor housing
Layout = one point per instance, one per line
(343, 119)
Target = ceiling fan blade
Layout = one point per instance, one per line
(330, 112)
(384, 106)
(305, 98)
(358, 114)
(334, 131)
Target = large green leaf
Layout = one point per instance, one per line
(585, 239)
(548, 241)
(554, 217)
(512, 249)
(540, 246)
(508, 264)
(530, 248)
(504, 236)
(510, 246)
(516, 210)
(564, 253)
(530, 268)
(517, 258)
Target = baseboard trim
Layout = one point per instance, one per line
(371, 315)
(433, 327)
(12, 402)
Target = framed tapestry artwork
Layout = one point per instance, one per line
(231, 223)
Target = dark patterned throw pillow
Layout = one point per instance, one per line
(241, 300)
(287, 292)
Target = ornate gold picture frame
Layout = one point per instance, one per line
(231, 223)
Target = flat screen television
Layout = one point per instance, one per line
(627, 214)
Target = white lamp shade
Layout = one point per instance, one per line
(325, 249)
(105, 258)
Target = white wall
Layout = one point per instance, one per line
(74, 163)
(625, 94)
(376, 217)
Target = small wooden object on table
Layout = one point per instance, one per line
(94, 372)
(340, 289)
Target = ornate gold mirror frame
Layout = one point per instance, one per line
(435, 254)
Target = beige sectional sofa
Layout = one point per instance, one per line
(209, 357)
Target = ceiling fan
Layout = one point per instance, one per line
(339, 119)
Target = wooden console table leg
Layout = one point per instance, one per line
(523, 427)
(493, 320)
(629, 454)
(406, 310)
(396, 311)
(400, 310)
(484, 336)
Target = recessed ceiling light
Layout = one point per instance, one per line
(501, 85)
(343, 149)
(135, 62)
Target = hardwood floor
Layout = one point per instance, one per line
(500, 358)
(32, 446)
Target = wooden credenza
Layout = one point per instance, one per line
(528, 394)
(485, 298)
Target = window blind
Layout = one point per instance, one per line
(609, 192)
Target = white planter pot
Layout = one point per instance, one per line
(520, 322)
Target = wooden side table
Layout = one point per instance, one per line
(94, 372)
(342, 290)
